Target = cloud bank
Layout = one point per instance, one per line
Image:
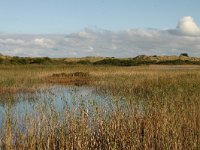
(97, 42)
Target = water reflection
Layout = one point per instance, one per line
(57, 98)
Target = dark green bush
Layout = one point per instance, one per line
(41, 60)
(184, 54)
(1, 60)
(116, 62)
(175, 62)
(19, 60)
(123, 62)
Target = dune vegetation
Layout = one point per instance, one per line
(183, 59)
(162, 108)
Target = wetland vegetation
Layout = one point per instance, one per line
(86, 106)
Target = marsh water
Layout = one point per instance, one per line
(58, 98)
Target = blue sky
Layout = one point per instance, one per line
(120, 28)
(66, 16)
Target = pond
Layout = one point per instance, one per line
(57, 99)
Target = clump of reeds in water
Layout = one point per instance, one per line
(76, 78)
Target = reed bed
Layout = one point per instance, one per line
(162, 110)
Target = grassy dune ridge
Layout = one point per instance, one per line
(89, 60)
(163, 110)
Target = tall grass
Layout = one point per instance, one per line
(163, 110)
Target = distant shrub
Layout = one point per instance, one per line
(19, 60)
(123, 62)
(1, 60)
(184, 54)
(116, 62)
(175, 62)
(42, 60)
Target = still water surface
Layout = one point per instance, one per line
(58, 98)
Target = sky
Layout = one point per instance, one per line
(119, 28)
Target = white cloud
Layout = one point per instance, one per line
(11, 41)
(187, 26)
(90, 49)
(127, 43)
(43, 42)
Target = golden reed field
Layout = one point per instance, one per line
(152, 107)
